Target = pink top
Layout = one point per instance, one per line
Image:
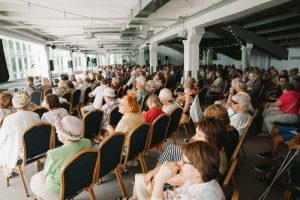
(288, 100)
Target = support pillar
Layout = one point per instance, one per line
(71, 70)
(191, 51)
(204, 59)
(107, 59)
(153, 57)
(209, 57)
(141, 57)
(246, 53)
(47, 73)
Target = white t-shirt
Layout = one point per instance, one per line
(53, 115)
(98, 94)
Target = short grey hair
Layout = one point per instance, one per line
(154, 99)
(244, 100)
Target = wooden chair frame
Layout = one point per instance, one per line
(89, 113)
(66, 103)
(39, 107)
(151, 135)
(24, 160)
(141, 156)
(88, 189)
(172, 134)
(71, 100)
(117, 169)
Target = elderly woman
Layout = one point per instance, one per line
(5, 104)
(115, 83)
(110, 102)
(154, 109)
(216, 86)
(45, 84)
(239, 111)
(55, 112)
(284, 110)
(46, 184)
(166, 98)
(151, 86)
(141, 92)
(131, 115)
(237, 85)
(12, 130)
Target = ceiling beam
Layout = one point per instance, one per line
(278, 29)
(260, 42)
(284, 36)
(269, 20)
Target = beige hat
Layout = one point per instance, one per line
(109, 92)
(70, 127)
(165, 94)
(21, 100)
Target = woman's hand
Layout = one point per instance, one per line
(166, 171)
(149, 177)
(294, 143)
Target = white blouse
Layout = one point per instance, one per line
(53, 115)
(201, 191)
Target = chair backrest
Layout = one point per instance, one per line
(48, 91)
(114, 116)
(174, 121)
(125, 88)
(242, 138)
(67, 96)
(37, 140)
(229, 191)
(144, 106)
(224, 86)
(159, 130)
(65, 105)
(92, 124)
(110, 153)
(75, 98)
(36, 97)
(120, 92)
(40, 110)
(86, 95)
(138, 141)
(78, 173)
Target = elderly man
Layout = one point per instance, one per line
(30, 87)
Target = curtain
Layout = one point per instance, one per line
(4, 76)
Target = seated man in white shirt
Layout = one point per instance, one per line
(98, 101)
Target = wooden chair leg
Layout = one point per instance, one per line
(120, 181)
(185, 130)
(91, 193)
(143, 163)
(38, 165)
(174, 139)
(23, 179)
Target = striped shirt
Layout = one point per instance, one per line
(172, 153)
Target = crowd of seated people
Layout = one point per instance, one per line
(218, 129)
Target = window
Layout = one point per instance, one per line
(22, 58)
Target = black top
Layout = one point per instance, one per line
(231, 140)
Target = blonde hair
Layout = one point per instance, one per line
(154, 99)
(5, 100)
(217, 112)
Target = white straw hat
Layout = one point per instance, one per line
(70, 127)
(21, 100)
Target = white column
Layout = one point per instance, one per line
(107, 58)
(141, 57)
(204, 60)
(71, 70)
(45, 61)
(246, 53)
(153, 56)
(209, 57)
(249, 49)
(84, 67)
(191, 51)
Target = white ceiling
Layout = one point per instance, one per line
(107, 19)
